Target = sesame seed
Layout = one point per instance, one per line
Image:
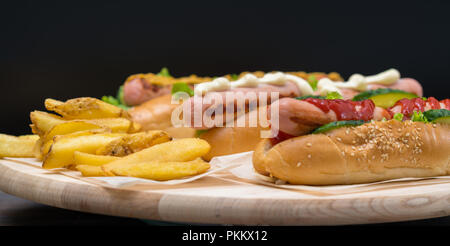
(339, 139)
(299, 164)
(309, 144)
(309, 156)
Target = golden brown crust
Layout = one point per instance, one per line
(152, 78)
(232, 140)
(372, 152)
(156, 115)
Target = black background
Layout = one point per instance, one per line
(65, 49)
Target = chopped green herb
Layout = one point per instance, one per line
(419, 116)
(398, 116)
(312, 80)
(334, 95)
(164, 72)
(117, 101)
(234, 77)
(182, 87)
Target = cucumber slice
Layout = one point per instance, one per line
(384, 97)
(310, 96)
(338, 124)
(438, 115)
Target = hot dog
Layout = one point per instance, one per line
(358, 152)
(296, 116)
(150, 94)
(299, 117)
(140, 88)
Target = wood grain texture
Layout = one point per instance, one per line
(224, 200)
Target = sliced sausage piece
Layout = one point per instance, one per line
(300, 117)
(196, 106)
(404, 84)
(138, 91)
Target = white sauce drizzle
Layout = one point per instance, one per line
(358, 82)
(250, 80)
(325, 85)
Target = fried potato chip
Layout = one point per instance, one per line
(61, 151)
(81, 158)
(22, 146)
(85, 108)
(133, 143)
(162, 171)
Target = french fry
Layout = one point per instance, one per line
(162, 171)
(61, 151)
(12, 146)
(133, 143)
(43, 122)
(135, 127)
(117, 125)
(85, 108)
(81, 158)
(71, 127)
(186, 149)
(37, 149)
(90, 171)
(30, 137)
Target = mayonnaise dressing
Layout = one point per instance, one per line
(358, 82)
(325, 85)
(250, 80)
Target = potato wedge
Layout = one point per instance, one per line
(43, 122)
(90, 171)
(12, 146)
(81, 158)
(135, 127)
(37, 149)
(63, 147)
(162, 171)
(71, 127)
(30, 137)
(85, 108)
(117, 125)
(186, 149)
(133, 143)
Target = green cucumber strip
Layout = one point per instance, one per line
(338, 124)
(437, 115)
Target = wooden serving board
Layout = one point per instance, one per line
(223, 199)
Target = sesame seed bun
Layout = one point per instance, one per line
(375, 151)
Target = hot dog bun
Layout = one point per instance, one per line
(156, 115)
(232, 140)
(371, 152)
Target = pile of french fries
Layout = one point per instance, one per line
(100, 139)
